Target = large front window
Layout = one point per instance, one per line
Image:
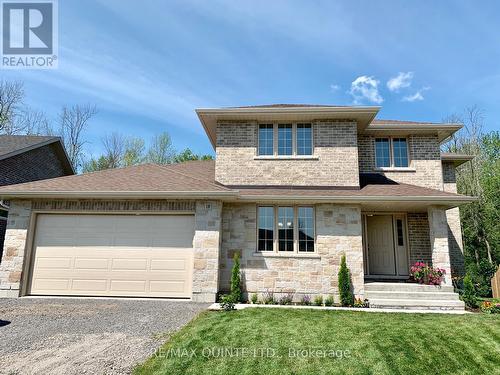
(391, 152)
(285, 229)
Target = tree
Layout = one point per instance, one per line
(481, 178)
(161, 150)
(344, 280)
(114, 147)
(73, 123)
(134, 152)
(236, 279)
(11, 97)
(187, 155)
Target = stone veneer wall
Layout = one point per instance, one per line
(438, 230)
(338, 231)
(15, 240)
(425, 159)
(454, 226)
(418, 237)
(206, 242)
(335, 153)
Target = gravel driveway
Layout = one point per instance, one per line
(85, 336)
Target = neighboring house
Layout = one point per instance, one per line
(29, 158)
(292, 189)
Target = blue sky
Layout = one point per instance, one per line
(148, 64)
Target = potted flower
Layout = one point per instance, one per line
(422, 273)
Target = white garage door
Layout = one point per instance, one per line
(113, 255)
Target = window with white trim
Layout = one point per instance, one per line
(285, 229)
(391, 153)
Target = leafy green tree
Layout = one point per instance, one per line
(344, 279)
(187, 155)
(161, 150)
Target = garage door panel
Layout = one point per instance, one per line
(130, 264)
(91, 263)
(109, 255)
(53, 263)
(90, 285)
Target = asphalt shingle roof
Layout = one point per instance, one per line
(10, 144)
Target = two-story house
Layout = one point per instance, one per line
(292, 189)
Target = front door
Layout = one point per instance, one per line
(381, 245)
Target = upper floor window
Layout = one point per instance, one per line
(266, 139)
(304, 139)
(285, 140)
(400, 152)
(391, 152)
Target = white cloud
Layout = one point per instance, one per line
(334, 87)
(415, 97)
(365, 88)
(402, 80)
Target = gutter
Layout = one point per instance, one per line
(441, 199)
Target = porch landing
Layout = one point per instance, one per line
(409, 296)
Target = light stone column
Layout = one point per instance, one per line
(14, 250)
(206, 243)
(438, 232)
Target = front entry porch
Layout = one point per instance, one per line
(385, 246)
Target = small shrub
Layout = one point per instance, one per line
(236, 279)
(490, 307)
(227, 302)
(329, 301)
(254, 298)
(318, 301)
(358, 302)
(422, 273)
(268, 297)
(305, 300)
(469, 293)
(346, 296)
(286, 299)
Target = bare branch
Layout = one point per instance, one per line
(11, 97)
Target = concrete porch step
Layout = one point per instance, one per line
(427, 295)
(406, 287)
(416, 304)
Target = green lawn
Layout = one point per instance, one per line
(370, 343)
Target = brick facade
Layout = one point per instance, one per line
(37, 164)
(418, 237)
(338, 231)
(335, 160)
(425, 161)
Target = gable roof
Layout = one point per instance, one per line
(12, 145)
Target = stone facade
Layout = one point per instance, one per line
(454, 225)
(334, 163)
(438, 233)
(206, 242)
(16, 235)
(425, 161)
(338, 232)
